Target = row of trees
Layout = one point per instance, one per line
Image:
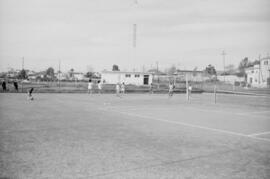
(49, 73)
(210, 69)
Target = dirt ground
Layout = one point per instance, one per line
(136, 136)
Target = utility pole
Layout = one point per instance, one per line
(134, 35)
(22, 71)
(223, 55)
(59, 71)
(157, 74)
(22, 63)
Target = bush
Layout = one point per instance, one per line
(236, 83)
(243, 83)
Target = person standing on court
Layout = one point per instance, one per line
(123, 88)
(151, 89)
(99, 87)
(15, 83)
(189, 90)
(4, 86)
(117, 89)
(90, 86)
(171, 89)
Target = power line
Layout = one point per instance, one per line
(134, 35)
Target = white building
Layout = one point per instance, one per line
(193, 75)
(135, 78)
(231, 79)
(78, 76)
(259, 75)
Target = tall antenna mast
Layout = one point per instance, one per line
(134, 35)
(223, 55)
(59, 71)
(22, 63)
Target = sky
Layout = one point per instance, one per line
(95, 34)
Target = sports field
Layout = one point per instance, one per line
(136, 136)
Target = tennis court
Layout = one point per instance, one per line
(136, 136)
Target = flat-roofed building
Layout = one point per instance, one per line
(259, 75)
(135, 78)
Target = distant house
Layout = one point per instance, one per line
(194, 75)
(12, 73)
(75, 75)
(259, 75)
(231, 79)
(37, 76)
(61, 76)
(78, 76)
(135, 78)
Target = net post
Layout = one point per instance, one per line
(215, 93)
(22, 85)
(187, 92)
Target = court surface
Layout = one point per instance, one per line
(136, 136)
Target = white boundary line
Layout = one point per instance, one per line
(188, 125)
(202, 110)
(258, 112)
(257, 134)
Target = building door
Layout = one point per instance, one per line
(145, 79)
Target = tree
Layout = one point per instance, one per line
(50, 72)
(89, 74)
(256, 62)
(22, 74)
(243, 65)
(171, 70)
(230, 69)
(210, 70)
(115, 68)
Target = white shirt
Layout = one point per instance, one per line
(100, 86)
(117, 87)
(90, 84)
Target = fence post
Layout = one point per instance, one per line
(187, 92)
(215, 93)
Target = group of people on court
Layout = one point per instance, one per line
(4, 86)
(91, 86)
(16, 88)
(120, 88)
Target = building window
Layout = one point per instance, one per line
(252, 71)
(265, 62)
(250, 80)
(137, 76)
(128, 75)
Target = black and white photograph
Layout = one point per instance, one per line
(135, 89)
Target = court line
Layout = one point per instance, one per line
(188, 125)
(258, 112)
(261, 133)
(197, 109)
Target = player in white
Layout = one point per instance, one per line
(189, 90)
(90, 86)
(117, 90)
(171, 89)
(99, 87)
(123, 88)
